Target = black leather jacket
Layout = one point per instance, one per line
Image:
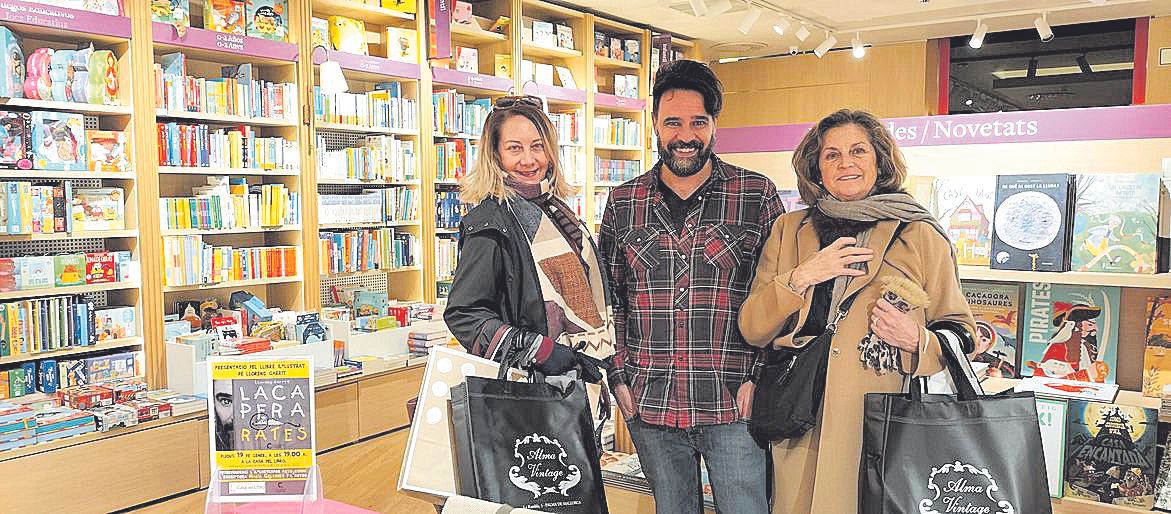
(496, 284)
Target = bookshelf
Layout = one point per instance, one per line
(106, 107)
(241, 178)
(372, 148)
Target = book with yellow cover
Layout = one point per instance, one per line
(224, 16)
(347, 35)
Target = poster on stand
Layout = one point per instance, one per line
(261, 427)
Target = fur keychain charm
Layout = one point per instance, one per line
(906, 296)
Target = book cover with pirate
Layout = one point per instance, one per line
(1031, 225)
(261, 427)
(963, 206)
(996, 308)
(1157, 355)
(1070, 332)
(1115, 223)
(1111, 453)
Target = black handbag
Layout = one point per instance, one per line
(527, 445)
(934, 453)
(790, 386)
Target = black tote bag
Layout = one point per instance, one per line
(527, 445)
(934, 454)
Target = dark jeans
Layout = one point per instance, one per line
(736, 467)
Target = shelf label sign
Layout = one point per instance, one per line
(1088, 124)
(230, 42)
(65, 19)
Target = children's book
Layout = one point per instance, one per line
(996, 308)
(224, 16)
(15, 143)
(268, 19)
(402, 44)
(58, 141)
(1070, 332)
(1157, 355)
(565, 36)
(467, 59)
(100, 208)
(1031, 228)
(347, 35)
(12, 76)
(171, 12)
(1110, 453)
(1115, 223)
(107, 150)
(963, 206)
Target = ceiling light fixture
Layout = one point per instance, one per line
(977, 40)
(749, 20)
(1098, 2)
(781, 26)
(802, 32)
(859, 48)
(826, 45)
(1043, 28)
(699, 7)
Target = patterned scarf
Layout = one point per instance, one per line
(577, 309)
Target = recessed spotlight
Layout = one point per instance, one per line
(781, 26)
(802, 32)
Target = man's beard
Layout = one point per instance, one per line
(1091, 343)
(687, 166)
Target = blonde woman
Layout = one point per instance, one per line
(528, 280)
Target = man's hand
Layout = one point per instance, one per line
(744, 399)
(625, 401)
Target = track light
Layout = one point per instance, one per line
(977, 40)
(802, 32)
(749, 20)
(1043, 28)
(1098, 2)
(699, 7)
(719, 7)
(826, 45)
(781, 26)
(859, 48)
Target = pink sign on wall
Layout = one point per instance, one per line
(1097, 123)
(50, 16)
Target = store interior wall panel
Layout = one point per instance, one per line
(1158, 77)
(890, 82)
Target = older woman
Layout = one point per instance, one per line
(528, 279)
(860, 229)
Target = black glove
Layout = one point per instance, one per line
(591, 368)
(559, 360)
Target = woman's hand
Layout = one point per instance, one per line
(831, 262)
(895, 327)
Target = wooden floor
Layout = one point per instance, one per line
(364, 475)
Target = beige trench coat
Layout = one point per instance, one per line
(818, 473)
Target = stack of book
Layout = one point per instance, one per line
(376, 158)
(230, 203)
(181, 404)
(235, 93)
(363, 250)
(385, 107)
(457, 114)
(420, 342)
(345, 209)
(18, 426)
(453, 158)
(616, 170)
(197, 145)
(449, 210)
(189, 261)
(616, 131)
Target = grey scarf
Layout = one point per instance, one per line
(888, 206)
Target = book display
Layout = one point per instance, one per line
(369, 165)
(248, 148)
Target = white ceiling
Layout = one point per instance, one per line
(878, 21)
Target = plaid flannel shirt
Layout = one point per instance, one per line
(677, 292)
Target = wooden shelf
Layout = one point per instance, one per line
(54, 174)
(557, 96)
(474, 34)
(446, 230)
(612, 63)
(360, 182)
(404, 223)
(622, 148)
(84, 108)
(233, 283)
(1155, 281)
(193, 170)
(373, 272)
(57, 236)
(75, 350)
(221, 231)
(347, 226)
(528, 48)
(225, 118)
(221, 47)
(404, 269)
(457, 136)
(362, 10)
(47, 20)
(471, 83)
(362, 129)
(368, 67)
(615, 103)
(62, 291)
(447, 182)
